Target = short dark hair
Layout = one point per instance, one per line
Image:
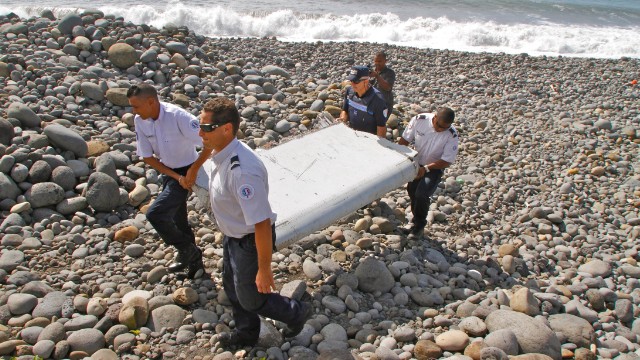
(142, 90)
(381, 54)
(224, 111)
(446, 114)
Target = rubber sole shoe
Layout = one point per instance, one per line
(187, 255)
(416, 233)
(233, 339)
(295, 329)
(195, 269)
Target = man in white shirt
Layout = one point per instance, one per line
(436, 141)
(166, 138)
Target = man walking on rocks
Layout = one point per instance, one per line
(239, 189)
(167, 136)
(383, 78)
(364, 108)
(436, 141)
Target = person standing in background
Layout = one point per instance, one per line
(383, 78)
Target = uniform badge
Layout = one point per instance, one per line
(246, 191)
(194, 124)
(455, 147)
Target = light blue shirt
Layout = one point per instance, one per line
(239, 190)
(172, 138)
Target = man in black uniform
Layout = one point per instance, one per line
(364, 108)
(383, 78)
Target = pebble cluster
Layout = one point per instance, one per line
(531, 251)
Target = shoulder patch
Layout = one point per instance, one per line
(422, 116)
(194, 125)
(235, 162)
(246, 192)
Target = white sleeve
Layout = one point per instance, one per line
(450, 150)
(189, 127)
(252, 196)
(143, 146)
(409, 133)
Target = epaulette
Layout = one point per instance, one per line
(453, 132)
(235, 162)
(422, 116)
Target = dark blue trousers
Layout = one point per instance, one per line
(240, 259)
(168, 213)
(420, 192)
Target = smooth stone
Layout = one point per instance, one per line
(21, 303)
(452, 340)
(374, 276)
(533, 336)
(596, 267)
(24, 114)
(102, 192)
(166, 316)
(44, 194)
(577, 330)
(51, 305)
(66, 139)
(86, 340)
(504, 340)
(44, 348)
(122, 55)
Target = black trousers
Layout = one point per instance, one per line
(168, 213)
(240, 259)
(420, 192)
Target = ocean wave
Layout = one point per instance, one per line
(421, 32)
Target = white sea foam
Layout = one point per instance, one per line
(421, 32)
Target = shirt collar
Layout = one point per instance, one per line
(219, 157)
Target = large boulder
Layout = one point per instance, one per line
(17, 28)
(6, 132)
(22, 112)
(577, 330)
(177, 47)
(66, 139)
(374, 276)
(275, 70)
(92, 91)
(87, 340)
(68, 22)
(8, 188)
(123, 55)
(44, 194)
(103, 193)
(533, 336)
(166, 316)
(118, 96)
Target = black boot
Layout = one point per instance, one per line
(194, 267)
(186, 255)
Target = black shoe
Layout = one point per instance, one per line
(193, 270)
(416, 232)
(295, 329)
(233, 339)
(186, 255)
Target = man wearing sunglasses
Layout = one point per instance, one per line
(166, 139)
(239, 191)
(436, 141)
(364, 109)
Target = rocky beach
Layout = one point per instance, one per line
(531, 251)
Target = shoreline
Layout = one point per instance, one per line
(532, 246)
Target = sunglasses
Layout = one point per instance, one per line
(210, 127)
